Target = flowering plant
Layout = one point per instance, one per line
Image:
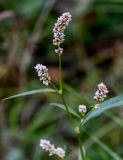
(100, 94)
(85, 113)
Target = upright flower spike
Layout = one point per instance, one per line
(58, 30)
(101, 93)
(47, 146)
(43, 74)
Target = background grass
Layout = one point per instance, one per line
(93, 52)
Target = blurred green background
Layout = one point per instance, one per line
(93, 52)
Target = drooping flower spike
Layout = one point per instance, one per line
(47, 146)
(43, 74)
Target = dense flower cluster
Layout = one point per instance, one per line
(101, 93)
(58, 30)
(43, 73)
(82, 109)
(47, 146)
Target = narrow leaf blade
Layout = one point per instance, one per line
(36, 91)
(108, 104)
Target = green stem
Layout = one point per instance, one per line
(61, 94)
(74, 126)
(60, 73)
(68, 112)
(80, 146)
(54, 86)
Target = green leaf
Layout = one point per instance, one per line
(108, 104)
(61, 106)
(36, 91)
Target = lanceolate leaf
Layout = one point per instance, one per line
(46, 90)
(108, 104)
(61, 106)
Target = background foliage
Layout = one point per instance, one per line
(93, 52)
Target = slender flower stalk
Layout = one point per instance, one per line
(77, 129)
(60, 74)
(81, 147)
(52, 85)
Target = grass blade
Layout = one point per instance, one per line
(105, 147)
